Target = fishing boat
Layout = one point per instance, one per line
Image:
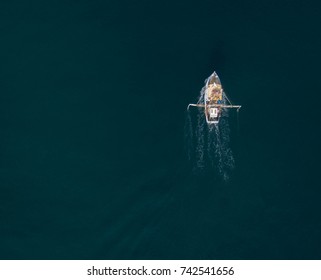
(213, 99)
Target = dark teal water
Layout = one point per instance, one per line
(92, 109)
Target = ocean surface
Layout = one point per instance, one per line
(93, 155)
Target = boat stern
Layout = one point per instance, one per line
(212, 114)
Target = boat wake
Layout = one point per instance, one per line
(207, 145)
(207, 137)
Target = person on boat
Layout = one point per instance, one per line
(210, 92)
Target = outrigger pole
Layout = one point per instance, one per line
(231, 105)
(238, 107)
(216, 105)
(195, 105)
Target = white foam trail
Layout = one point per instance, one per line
(188, 136)
(200, 140)
(224, 154)
(209, 147)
